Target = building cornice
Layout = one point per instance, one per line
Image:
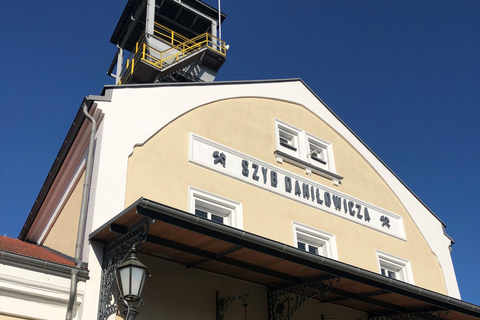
(39, 265)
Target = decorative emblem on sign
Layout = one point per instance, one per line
(385, 221)
(219, 158)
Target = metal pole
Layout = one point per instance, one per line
(118, 77)
(83, 214)
(219, 21)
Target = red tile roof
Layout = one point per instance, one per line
(33, 251)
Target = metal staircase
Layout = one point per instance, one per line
(148, 63)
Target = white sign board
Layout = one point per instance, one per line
(227, 161)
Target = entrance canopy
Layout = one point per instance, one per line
(195, 242)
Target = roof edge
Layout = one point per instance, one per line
(60, 158)
(39, 265)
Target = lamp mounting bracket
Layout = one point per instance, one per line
(113, 255)
(223, 301)
(284, 302)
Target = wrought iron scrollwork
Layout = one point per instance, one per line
(223, 302)
(283, 303)
(432, 315)
(113, 256)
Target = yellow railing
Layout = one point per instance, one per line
(160, 59)
(168, 35)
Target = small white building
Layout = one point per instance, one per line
(35, 281)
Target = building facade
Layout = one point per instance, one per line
(248, 199)
(265, 158)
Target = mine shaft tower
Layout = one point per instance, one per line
(168, 41)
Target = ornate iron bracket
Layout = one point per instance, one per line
(113, 256)
(223, 302)
(283, 303)
(432, 315)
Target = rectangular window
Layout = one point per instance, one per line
(215, 208)
(320, 153)
(394, 267)
(287, 138)
(393, 274)
(317, 154)
(211, 215)
(315, 241)
(312, 248)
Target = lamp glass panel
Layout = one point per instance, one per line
(125, 280)
(137, 277)
(142, 283)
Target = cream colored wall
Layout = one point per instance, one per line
(63, 235)
(176, 292)
(187, 293)
(5, 317)
(159, 170)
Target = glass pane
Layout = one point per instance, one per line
(125, 280)
(389, 273)
(312, 249)
(301, 246)
(286, 138)
(286, 135)
(201, 213)
(216, 218)
(137, 277)
(317, 153)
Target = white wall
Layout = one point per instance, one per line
(31, 294)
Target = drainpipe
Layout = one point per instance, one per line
(83, 215)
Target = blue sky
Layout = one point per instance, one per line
(404, 75)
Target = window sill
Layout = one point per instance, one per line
(314, 157)
(309, 168)
(286, 145)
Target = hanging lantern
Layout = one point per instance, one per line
(131, 277)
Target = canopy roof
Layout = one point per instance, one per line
(200, 243)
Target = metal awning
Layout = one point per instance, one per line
(199, 243)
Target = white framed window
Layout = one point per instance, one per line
(320, 153)
(394, 267)
(216, 208)
(287, 138)
(314, 241)
(305, 150)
